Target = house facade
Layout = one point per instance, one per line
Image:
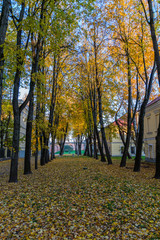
(151, 122)
(23, 122)
(115, 143)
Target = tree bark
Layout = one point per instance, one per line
(157, 60)
(95, 145)
(141, 123)
(42, 139)
(36, 153)
(52, 149)
(53, 101)
(79, 144)
(122, 138)
(94, 114)
(86, 152)
(100, 106)
(16, 109)
(90, 145)
(126, 147)
(3, 29)
(35, 61)
(63, 141)
(27, 159)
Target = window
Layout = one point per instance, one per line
(157, 121)
(122, 150)
(148, 124)
(150, 151)
(132, 150)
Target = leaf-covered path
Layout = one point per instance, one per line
(80, 198)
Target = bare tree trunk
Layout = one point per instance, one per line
(16, 109)
(53, 99)
(42, 159)
(3, 29)
(100, 106)
(63, 141)
(157, 60)
(95, 145)
(86, 152)
(141, 124)
(122, 137)
(79, 144)
(94, 114)
(125, 153)
(52, 149)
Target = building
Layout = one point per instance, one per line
(114, 141)
(23, 122)
(151, 122)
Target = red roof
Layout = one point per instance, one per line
(154, 101)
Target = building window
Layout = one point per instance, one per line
(148, 124)
(157, 121)
(122, 149)
(132, 150)
(150, 151)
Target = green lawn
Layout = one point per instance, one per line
(80, 198)
(69, 152)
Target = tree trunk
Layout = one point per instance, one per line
(3, 29)
(102, 128)
(37, 128)
(52, 149)
(100, 103)
(36, 153)
(79, 144)
(42, 159)
(95, 145)
(90, 146)
(63, 141)
(46, 150)
(157, 60)
(94, 114)
(86, 152)
(16, 108)
(15, 150)
(140, 138)
(27, 159)
(141, 123)
(7, 128)
(99, 145)
(126, 147)
(122, 137)
(53, 101)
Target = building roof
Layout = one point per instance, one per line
(153, 101)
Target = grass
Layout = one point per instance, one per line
(80, 198)
(69, 152)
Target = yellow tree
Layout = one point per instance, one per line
(132, 45)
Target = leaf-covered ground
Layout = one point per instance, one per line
(80, 198)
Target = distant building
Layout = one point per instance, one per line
(151, 122)
(23, 122)
(115, 143)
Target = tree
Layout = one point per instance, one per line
(151, 21)
(16, 108)
(36, 49)
(3, 29)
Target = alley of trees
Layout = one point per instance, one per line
(85, 64)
